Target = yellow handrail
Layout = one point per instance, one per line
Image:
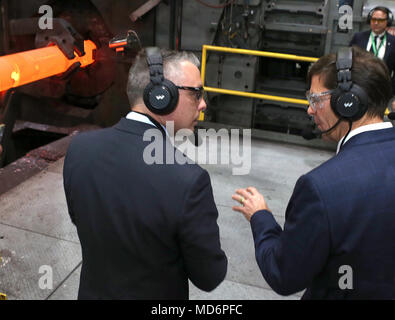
(255, 53)
(256, 95)
(250, 52)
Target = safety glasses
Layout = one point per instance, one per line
(316, 100)
(378, 20)
(198, 91)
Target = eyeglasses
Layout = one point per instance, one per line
(316, 99)
(378, 20)
(198, 91)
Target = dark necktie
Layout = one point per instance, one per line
(377, 44)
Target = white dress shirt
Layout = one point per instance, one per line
(383, 47)
(368, 127)
(142, 118)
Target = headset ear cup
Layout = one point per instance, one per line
(161, 99)
(351, 105)
(362, 101)
(174, 95)
(334, 98)
(390, 19)
(146, 96)
(157, 98)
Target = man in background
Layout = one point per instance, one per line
(377, 40)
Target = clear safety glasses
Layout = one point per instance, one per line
(316, 100)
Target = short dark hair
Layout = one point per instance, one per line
(368, 72)
(382, 9)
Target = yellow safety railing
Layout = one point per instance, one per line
(254, 53)
(3, 296)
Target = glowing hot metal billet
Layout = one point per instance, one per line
(25, 67)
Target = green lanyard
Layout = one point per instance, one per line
(375, 50)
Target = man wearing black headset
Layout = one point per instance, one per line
(338, 240)
(377, 40)
(145, 228)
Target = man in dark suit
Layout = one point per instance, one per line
(338, 239)
(145, 228)
(377, 40)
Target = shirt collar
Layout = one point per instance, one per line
(379, 35)
(142, 118)
(368, 127)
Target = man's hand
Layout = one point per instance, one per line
(251, 201)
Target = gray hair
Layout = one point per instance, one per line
(139, 72)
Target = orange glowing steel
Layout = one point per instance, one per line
(118, 44)
(29, 66)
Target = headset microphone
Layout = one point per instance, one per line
(311, 133)
(391, 116)
(348, 101)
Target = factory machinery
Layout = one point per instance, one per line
(69, 73)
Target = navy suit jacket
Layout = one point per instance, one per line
(361, 40)
(144, 229)
(342, 213)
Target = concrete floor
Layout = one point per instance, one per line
(35, 228)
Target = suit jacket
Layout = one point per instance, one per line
(361, 40)
(340, 214)
(144, 229)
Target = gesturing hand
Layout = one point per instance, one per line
(251, 201)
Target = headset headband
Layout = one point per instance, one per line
(155, 65)
(343, 66)
(348, 101)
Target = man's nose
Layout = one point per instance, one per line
(310, 111)
(202, 105)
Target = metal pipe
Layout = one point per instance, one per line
(25, 67)
(5, 26)
(172, 22)
(10, 114)
(203, 68)
(179, 25)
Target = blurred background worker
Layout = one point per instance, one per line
(378, 40)
(145, 228)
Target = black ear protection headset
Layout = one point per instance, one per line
(160, 95)
(348, 101)
(390, 16)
